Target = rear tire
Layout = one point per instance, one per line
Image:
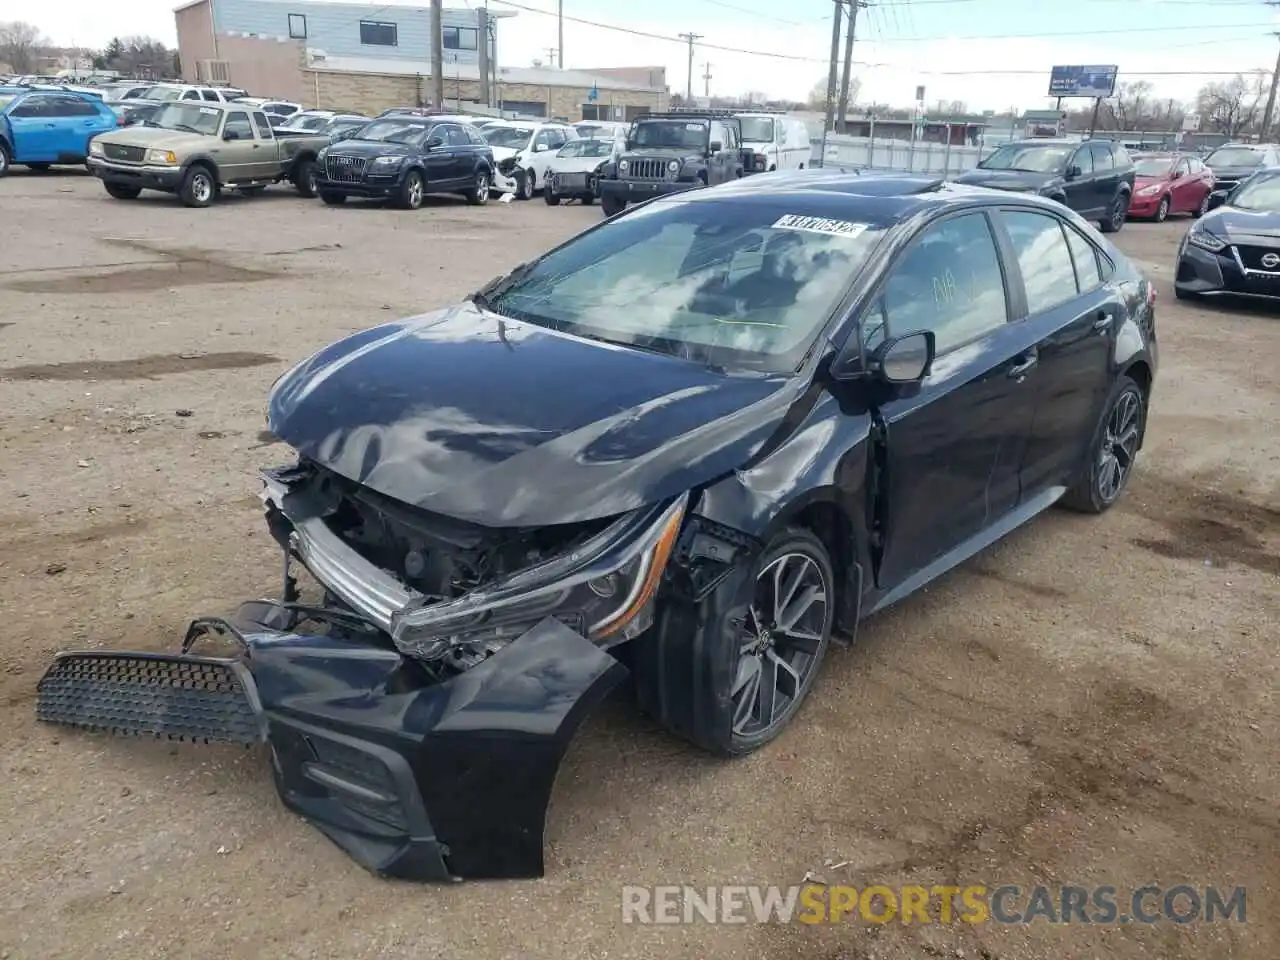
(1115, 219)
(730, 673)
(122, 192)
(612, 206)
(1112, 452)
(199, 188)
(478, 195)
(304, 179)
(6, 158)
(587, 199)
(333, 199)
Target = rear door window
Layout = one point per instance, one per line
(264, 126)
(1086, 260)
(1044, 258)
(1101, 157)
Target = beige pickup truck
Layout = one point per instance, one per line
(196, 149)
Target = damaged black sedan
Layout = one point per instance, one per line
(697, 443)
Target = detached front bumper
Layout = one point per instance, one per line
(143, 176)
(414, 777)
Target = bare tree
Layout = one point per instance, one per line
(1130, 104)
(818, 95)
(1232, 106)
(20, 46)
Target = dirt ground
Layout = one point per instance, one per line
(1093, 701)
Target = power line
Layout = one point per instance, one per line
(1073, 33)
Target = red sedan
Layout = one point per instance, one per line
(1168, 183)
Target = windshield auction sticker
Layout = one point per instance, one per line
(832, 228)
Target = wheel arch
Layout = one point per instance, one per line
(208, 163)
(1139, 371)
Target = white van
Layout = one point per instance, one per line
(779, 141)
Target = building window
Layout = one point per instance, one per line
(297, 26)
(594, 111)
(378, 33)
(460, 38)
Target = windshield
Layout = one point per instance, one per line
(187, 117)
(745, 286)
(506, 136)
(307, 123)
(1153, 166)
(675, 134)
(1260, 192)
(1234, 157)
(392, 131)
(757, 129)
(161, 93)
(1031, 158)
(586, 148)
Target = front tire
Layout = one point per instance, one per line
(1204, 206)
(526, 186)
(612, 205)
(1115, 219)
(6, 159)
(198, 188)
(122, 192)
(549, 195)
(1112, 452)
(1162, 211)
(733, 676)
(411, 192)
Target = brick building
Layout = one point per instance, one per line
(367, 57)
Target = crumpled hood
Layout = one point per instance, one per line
(474, 416)
(1017, 180)
(503, 153)
(1235, 224)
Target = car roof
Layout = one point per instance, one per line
(879, 198)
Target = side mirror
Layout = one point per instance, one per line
(1073, 172)
(904, 359)
(716, 146)
(539, 147)
(231, 135)
(1217, 199)
(434, 143)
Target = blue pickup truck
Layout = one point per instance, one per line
(39, 128)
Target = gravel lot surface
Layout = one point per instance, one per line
(1093, 701)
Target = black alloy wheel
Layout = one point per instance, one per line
(1115, 219)
(782, 638)
(1113, 452)
(1162, 211)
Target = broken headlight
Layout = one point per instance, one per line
(603, 588)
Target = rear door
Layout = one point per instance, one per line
(1106, 177)
(76, 120)
(460, 154)
(1183, 193)
(269, 155)
(1081, 192)
(1071, 315)
(955, 446)
(35, 135)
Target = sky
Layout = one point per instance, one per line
(989, 54)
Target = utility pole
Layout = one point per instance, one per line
(833, 75)
(560, 38)
(688, 88)
(706, 80)
(437, 53)
(848, 63)
(552, 55)
(1271, 100)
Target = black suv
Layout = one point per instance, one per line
(404, 158)
(671, 152)
(1093, 178)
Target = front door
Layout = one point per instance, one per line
(438, 159)
(954, 447)
(1081, 195)
(237, 157)
(1106, 177)
(1072, 315)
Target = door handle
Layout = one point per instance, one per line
(1102, 321)
(1027, 362)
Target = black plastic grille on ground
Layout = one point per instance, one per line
(178, 698)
